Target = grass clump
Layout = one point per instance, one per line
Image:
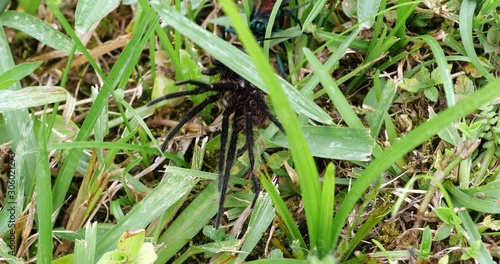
(391, 150)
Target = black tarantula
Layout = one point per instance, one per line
(247, 106)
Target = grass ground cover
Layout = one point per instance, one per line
(390, 152)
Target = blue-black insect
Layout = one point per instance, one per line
(261, 14)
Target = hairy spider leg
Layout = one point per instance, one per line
(202, 88)
(223, 142)
(211, 87)
(190, 115)
(229, 159)
(221, 184)
(249, 142)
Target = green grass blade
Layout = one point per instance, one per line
(465, 24)
(426, 243)
(17, 73)
(85, 248)
(43, 199)
(15, 187)
(4, 253)
(262, 216)
(442, 63)
(332, 60)
(30, 97)
(282, 211)
(17, 125)
(317, 8)
(333, 91)
(304, 162)
(189, 223)
(473, 235)
(270, 25)
(326, 214)
(383, 105)
(471, 201)
(367, 227)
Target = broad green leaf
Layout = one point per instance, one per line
(478, 201)
(447, 215)
(113, 257)
(28, 6)
(68, 259)
(431, 93)
(146, 254)
(426, 243)
(131, 242)
(443, 232)
(38, 29)
(488, 190)
(30, 97)
(89, 12)
(85, 248)
(367, 10)
(350, 8)
(335, 142)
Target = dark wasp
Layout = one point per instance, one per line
(259, 19)
(244, 107)
(261, 14)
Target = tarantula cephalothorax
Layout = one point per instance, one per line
(244, 104)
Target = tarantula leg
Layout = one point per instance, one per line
(222, 180)
(249, 142)
(178, 94)
(263, 107)
(190, 115)
(194, 82)
(202, 88)
(217, 87)
(223, 142)
(230, 156)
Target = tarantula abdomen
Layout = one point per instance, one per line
(249, 100)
